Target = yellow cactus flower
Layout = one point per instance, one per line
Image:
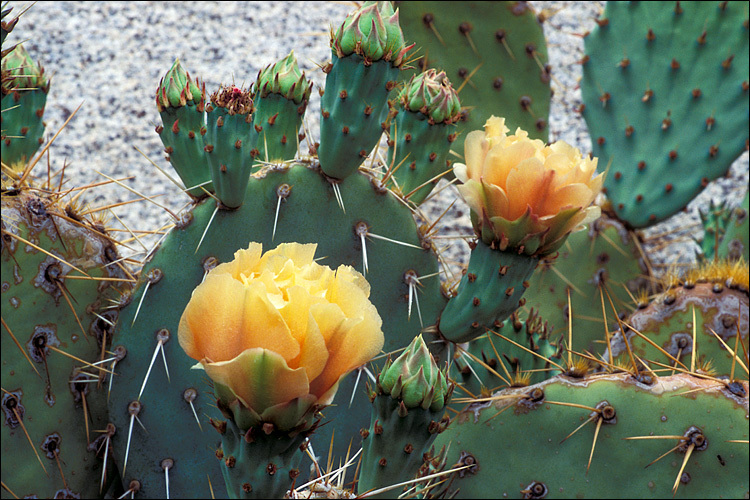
(524, 195)
(276, 332)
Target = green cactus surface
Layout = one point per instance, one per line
(488, 293)
(280, 95)
(493, 52)
(605, 259)
(501, 357)
(24, 95)
(408, 406)
(422, 133)
(367, 52)
(680, 326)
(54, 328)
(230, 143)
(665, 89)
(604, 432)
(735, 243)
(181, 104)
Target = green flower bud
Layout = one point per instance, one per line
(20, 72)
(373, 32)
(432, 94)
(284, 78)
(415, 378)
(177, 89)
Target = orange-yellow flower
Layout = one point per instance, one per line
(525, 195)
(277, 331)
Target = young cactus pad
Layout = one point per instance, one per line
(24, 94)
(665, 89)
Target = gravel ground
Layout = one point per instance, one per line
(108, 57)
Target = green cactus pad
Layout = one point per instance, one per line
(24, 91)
(492, 361)
(735, 243)
(526, 443)
(494, 52)
(258, 464)
(230, 143)
(422, 134)
(181, 105)
(488, 293)
(48, 316)
(714, 221)
(281, 94)
(668, 323)
(665, 88)
(308, 212)
(407, 416)
(605, 254)
(354, 111)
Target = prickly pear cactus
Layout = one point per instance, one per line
(24, 89)
(408, 414)
(308, 211)
(60, 303)
(735, 243)
(696, 322)
(421, 135)
(280, 94)
(658, 440)
(181, 103)
(494, 53)
(518, 353)
(593, 266)
(665, 89)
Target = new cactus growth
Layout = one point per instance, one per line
(181, 103)
(24, 88)
(281, 94)
(408, 405)
(422, 133)
(368, 50)
(230, 143)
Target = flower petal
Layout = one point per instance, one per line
(259, 378)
